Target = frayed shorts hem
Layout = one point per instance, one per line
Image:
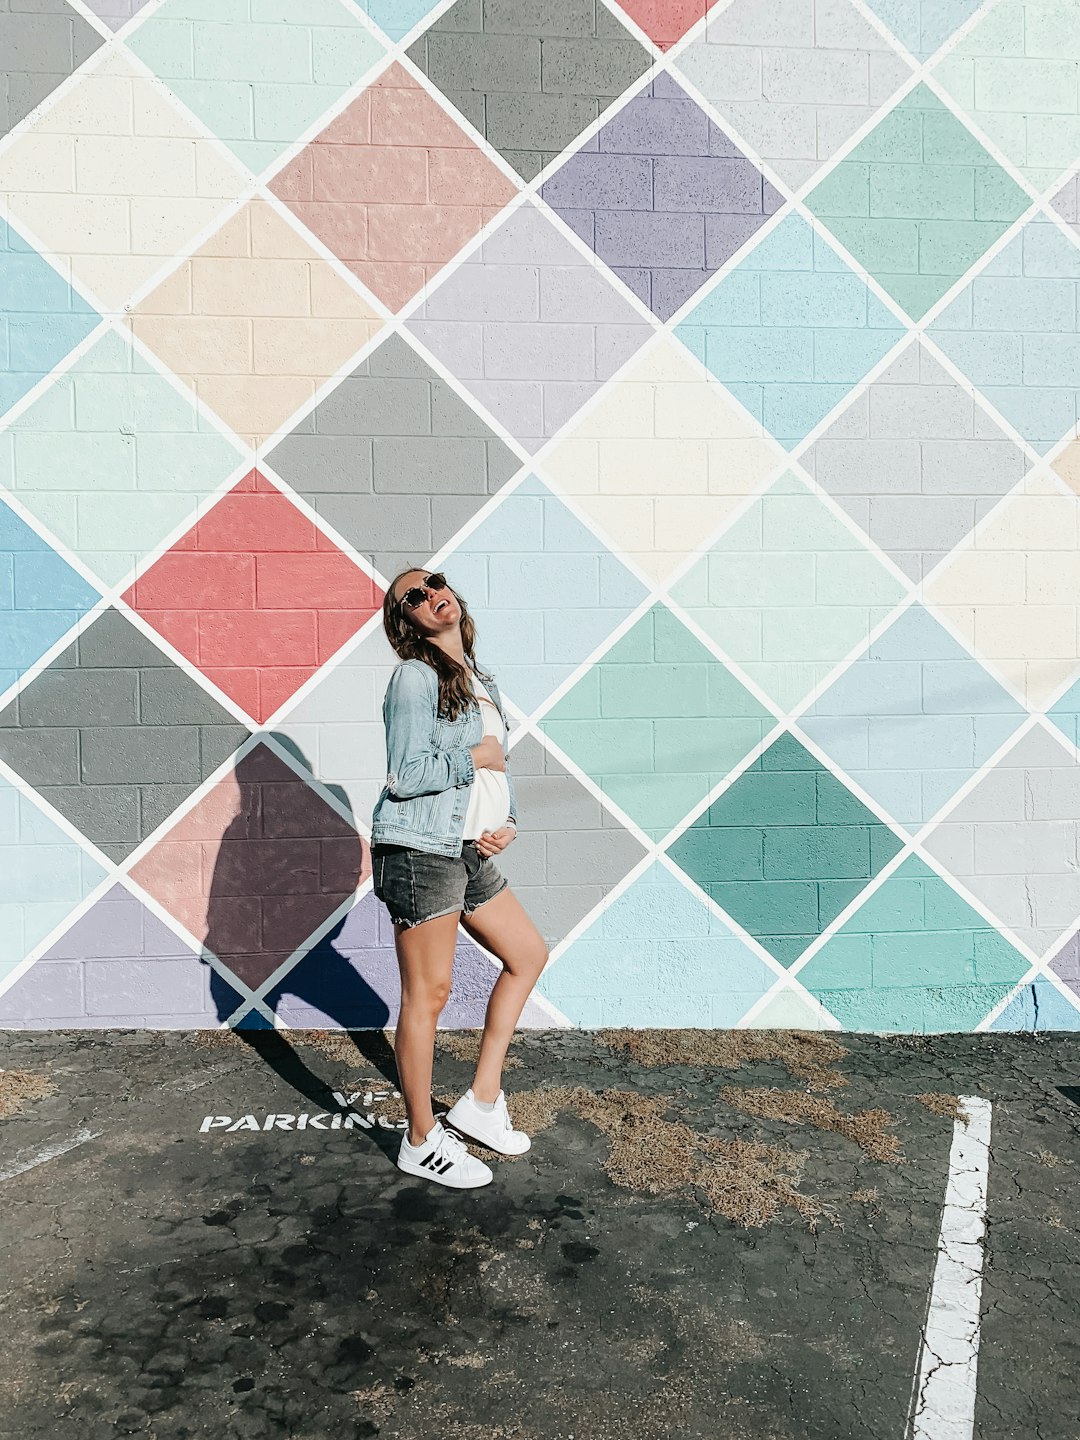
(407, 924)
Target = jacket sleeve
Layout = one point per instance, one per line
(414, 765)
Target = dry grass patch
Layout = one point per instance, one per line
(214, 1039)
(335, 1044)
(747, 1182)
(947, 1106)
(465, 1045)
(866, 1128)
(750, 1182)
(807, 1055)
(18, 1087)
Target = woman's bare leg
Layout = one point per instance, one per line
(426, 960)
(504, 927)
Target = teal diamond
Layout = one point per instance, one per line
(785, 848)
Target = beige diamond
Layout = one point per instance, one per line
(114, 180)
(1013, 589)
(255, 321)
(662, 460)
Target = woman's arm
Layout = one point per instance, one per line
(414, 765)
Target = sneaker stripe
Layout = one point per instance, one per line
(437, 1162)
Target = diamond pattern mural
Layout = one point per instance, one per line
(256, 867)
(1012, 75)
(916, 461)
(113, 456)
(1026, 293)
(657, 721)
(44, 319)
(662, 459)
(1012, 840)
(726, 361)
(788, 591)
(141, 180)
(272, 323)
(41, 597)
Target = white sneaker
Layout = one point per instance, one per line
(492, 1128)
(442, 1158)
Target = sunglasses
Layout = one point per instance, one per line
(416, 595)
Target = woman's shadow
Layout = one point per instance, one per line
(285, 863)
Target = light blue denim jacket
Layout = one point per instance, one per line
(429, 767)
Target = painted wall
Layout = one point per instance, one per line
(728, 362)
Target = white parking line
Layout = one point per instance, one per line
(39, 1157)
(943, 1399)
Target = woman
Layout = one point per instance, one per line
(447, 807)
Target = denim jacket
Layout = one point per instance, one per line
(429, 767)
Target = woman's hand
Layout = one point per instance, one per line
(492, 841)
(488, 754)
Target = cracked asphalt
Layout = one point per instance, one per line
(165, 1280)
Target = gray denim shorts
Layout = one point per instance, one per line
(416, 885)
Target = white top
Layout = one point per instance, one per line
(489, 794)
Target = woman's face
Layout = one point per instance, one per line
(439, 611)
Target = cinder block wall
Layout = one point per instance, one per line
(725, 356)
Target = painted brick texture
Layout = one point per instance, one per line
(725, 360)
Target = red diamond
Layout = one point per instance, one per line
(256, 596)
(665, 21)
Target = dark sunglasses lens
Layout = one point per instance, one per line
(416, 596)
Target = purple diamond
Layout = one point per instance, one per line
(118, 967)
(530, 326)
(116, 12)
(662, 196)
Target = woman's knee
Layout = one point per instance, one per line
(531, 961)
(425, 997)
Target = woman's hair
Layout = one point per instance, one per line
(455, 688)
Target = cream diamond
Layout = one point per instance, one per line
(114, 180)
(255, 321)
(1013, 589)
(662, 460)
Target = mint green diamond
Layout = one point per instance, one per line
(788, 591)
(657, 722)
(914, 957)
(918, 201)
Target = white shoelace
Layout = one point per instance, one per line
(452, 1143)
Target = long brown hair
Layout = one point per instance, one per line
(455, 687)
